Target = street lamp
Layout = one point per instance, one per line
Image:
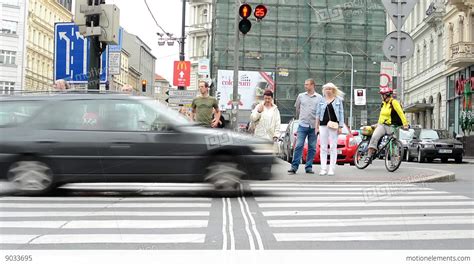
(352, 83)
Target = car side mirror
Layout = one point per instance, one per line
(355, 133)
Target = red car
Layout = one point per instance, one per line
(346, 147)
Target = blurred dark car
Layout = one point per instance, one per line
(289, 140)
(405, 136)
(50, 140)
(430, 144)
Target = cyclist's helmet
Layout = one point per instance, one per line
(386, 91)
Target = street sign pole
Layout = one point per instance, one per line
(399, 49)
(235, 93)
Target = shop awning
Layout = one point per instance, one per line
(418, 107)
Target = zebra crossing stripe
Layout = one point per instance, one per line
(99, 214)
(360, 198)
(109, 205)
(373, 221)
(108, 224)
(103, 239)
(367, 212)
(377, 236)
(104, 199)
(340, 188)
(364, 204)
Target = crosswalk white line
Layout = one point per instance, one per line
(99, 213)
(105, 199)
(377, 236)
(388, 185)
(72, 205)
(360, 198)
(363, 204)
(103, 239)
(341, 188)
(108, 224)
(269, 192)
(182, 185)
(373, 221)
(367, 212)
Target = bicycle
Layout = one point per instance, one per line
(388, 143)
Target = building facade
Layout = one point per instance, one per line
(459, 25)
(141, 59)
(134, 78)
(199, 37)
(162, 85)
(424, 77)
(298, 39)
(12, 45)
(41, 17)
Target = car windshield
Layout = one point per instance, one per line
(429, 134)
(443, 134)
(17, 112)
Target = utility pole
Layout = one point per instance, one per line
(183, 37)
(235, 84)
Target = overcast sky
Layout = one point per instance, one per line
(135, 18)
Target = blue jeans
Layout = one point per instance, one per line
(304, 132)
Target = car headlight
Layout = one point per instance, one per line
(262, 148)
(428, 146)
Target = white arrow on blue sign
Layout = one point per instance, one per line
(71, 55)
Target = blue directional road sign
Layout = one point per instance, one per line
(71, 55)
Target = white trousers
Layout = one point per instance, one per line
(328, 136)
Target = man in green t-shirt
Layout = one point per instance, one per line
(204, 105)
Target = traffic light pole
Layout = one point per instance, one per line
(94, 64)
(181, 43)
(235, 84)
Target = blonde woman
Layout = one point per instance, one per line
(329, 122)
(266, 118)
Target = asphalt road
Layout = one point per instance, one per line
(279, 215)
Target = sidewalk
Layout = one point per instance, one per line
(469, 160)
(375, 173)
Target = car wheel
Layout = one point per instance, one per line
(444, 160)
(226, 177)
(421, 158)
(31, 177)
(458, 159)
(407, 156)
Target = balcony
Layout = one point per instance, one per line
(435, 13)
(461, 5)
(461, 54)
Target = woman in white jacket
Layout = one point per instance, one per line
(266, 118)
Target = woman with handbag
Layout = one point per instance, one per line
(329, 122)
(266, 118)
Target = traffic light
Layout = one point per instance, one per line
(245, 25)
(260, 12)
(143, 85)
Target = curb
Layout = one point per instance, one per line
(439, 176)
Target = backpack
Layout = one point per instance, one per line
(394, 117)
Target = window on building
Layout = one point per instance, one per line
(7, 57)
(7, 87)
(425, 56)
(204, 15)
(440, 47)
(9, 26)
(431, 52)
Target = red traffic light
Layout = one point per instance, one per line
(260, 12)
(245, 10)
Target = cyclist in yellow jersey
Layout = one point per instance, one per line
(391, 114)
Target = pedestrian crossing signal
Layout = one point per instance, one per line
(144, 85)
(260, 12)
(245, 11)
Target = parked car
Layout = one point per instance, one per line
(430, 144)
(289, 140)
(95, 137)
(405, 136)
(280, 141)
(347, 143)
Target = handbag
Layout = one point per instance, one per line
(331, 124)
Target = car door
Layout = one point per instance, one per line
(142, 144)
(414, 143)
(69, 130)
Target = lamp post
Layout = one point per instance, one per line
(352, 84)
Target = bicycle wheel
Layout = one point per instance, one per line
(361, 153)
(393, 155)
